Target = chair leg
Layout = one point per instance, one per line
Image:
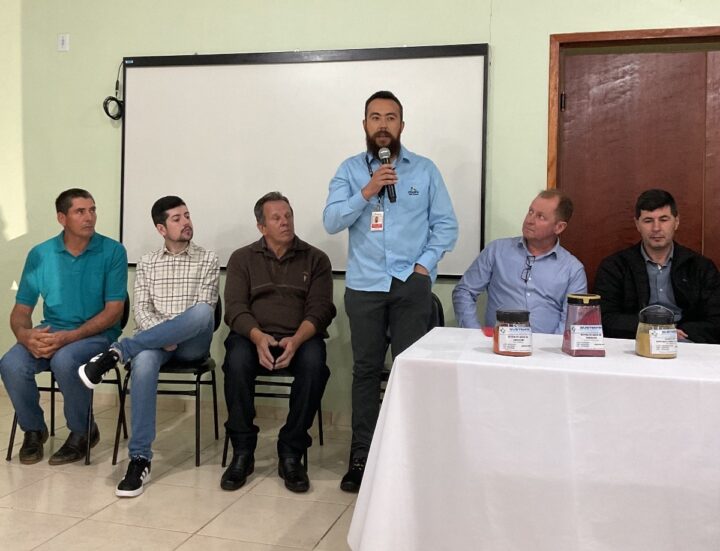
(214, 397)
(89, 428)
(12, 438)
(320, 427)
(53, 386)
(122, 410)
(225, 450)
(121, 418)
(197, 421)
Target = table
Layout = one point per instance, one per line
(478, 451)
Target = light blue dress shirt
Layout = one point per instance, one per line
(419, 228)
(498, 270)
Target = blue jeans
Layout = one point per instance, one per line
(192, 331)
(18, 369)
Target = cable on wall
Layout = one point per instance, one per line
(114, 106)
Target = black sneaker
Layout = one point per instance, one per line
(352, 479)
(93, 372)
(138, 474)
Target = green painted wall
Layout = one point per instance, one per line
(54, 135)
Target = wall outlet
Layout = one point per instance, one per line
(63, 42)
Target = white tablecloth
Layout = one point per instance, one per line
(548, 452)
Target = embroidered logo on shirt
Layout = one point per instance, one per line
(413, 191)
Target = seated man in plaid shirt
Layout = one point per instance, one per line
(176, 289)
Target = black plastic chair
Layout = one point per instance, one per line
(197, 369)
(437, 319)
(53, 388)
(281, 379)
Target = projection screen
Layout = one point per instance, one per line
(222, 130)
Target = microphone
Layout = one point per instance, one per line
(384, 156)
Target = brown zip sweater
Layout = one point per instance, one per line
(277, 294)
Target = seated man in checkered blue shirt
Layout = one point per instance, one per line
(176, 289)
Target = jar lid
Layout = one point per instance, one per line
(586, 299)
(656, 315)
(512, 316)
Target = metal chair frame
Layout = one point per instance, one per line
(266, 380)
(53, 388)
(197, 368)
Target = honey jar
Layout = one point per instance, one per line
(583, 334)
(512, 335)
(656, 335)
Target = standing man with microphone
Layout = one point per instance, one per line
(400, 223)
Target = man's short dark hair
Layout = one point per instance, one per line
(65, 199)
(564, 210)
(654, 199)
(384, 94)
(272, 196)
(159, 211)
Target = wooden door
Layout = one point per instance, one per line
(711, 198)
(631, 121)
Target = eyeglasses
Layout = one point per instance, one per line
(529, 261)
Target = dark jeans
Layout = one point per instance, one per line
(404, 311)
(310, 372)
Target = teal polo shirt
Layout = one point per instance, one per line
(74, 288)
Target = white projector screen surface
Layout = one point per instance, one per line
(222, 135)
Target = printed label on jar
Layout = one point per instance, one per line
(663, 341)
(514, 339)
(586, 337)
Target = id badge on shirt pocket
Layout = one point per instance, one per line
(376, 220)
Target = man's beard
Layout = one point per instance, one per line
(373, 147)
(185, 238)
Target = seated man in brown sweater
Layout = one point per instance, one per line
(278, 305)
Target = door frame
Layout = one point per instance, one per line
(603, 39)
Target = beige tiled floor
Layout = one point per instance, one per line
(74, 506)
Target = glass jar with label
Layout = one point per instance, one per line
(512, 335)
(656, 335)
(583, 334)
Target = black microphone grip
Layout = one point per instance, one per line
(391, 192)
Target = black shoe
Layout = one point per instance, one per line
(293, 472)
(74, 447)
(32, 446)
(234, 477)
(353, 478)
(138, 474)
(93, 372)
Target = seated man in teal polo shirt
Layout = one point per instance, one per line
(82, 278)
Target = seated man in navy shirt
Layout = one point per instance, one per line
(532, 272)
(657, 270)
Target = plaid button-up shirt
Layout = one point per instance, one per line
(167, 284)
